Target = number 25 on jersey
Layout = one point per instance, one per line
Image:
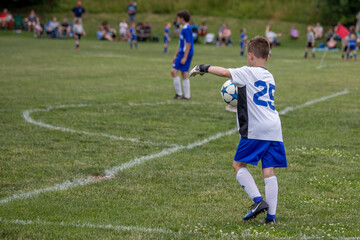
(265, 89)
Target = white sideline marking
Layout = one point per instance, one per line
(322, 60)
(109, 173)
(119, 228)
(28, 118)
(289, 109)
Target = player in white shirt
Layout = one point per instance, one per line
(259, 126)
(78, 32)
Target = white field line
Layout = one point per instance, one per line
(109, 173)
(289, 109)
(122, 228)
(322, 60)
(119, 228)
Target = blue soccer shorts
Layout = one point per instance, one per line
(182, 67)
(271, 153)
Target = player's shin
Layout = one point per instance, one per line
(271, 195)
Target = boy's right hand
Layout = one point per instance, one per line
(199, 69)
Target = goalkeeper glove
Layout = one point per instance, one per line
(199, 69)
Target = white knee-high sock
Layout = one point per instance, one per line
(177, 85)
(271, 193)
(186, 85)
(245, 179)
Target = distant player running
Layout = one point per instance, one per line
(166, 36)
(258, 124)
(183, 56)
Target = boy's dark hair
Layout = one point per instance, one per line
(259, 46)
(184, 14)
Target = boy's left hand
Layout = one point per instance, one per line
(199, 69)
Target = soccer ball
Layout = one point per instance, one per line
(229, 93)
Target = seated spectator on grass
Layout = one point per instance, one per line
(318, 31)
(6, 19)
(52, 30)
(103, 35)
(31, 21)
(123, 29)
(271, 36)
(224, 36)
(109, 31)
(65, 28)
(203, 29)
(294, 33)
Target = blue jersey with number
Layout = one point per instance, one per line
(186, 37)
(256, 114)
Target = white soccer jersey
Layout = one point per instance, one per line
(256, 114)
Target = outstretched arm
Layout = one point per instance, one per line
(207, 68)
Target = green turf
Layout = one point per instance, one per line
(192, 193)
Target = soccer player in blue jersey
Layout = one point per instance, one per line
(258, 124)
(132, 36)
(166, 36)
(351, 47)
(243, 39)
(183, 56)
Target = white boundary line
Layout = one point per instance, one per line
(119, 228)
(122, 228)
(322, 60)
(109, 173)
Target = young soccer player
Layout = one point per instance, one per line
(351, 47)
(310, 42)
(243, 39)
(132, 36)
(166, 36)
(183, 56)
(259, 126)
(78, 32)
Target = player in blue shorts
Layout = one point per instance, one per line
(258, 124)
(132, 36)
(183, 56)
(351, 47)
(166, 36)
(243, 39)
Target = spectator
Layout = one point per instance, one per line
(224, 36)
(103, 35)
(65, 28)
(271, 36)
(31, 21)
(78, 12)
(53, 28)
(123, 30)
(109, 31)
(294, 33)
(203, 29)
(6, 19)
(131, 10)
(176, 28)
(318, 31)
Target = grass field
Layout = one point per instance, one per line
(92, 145)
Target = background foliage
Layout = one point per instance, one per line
(306, 11)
